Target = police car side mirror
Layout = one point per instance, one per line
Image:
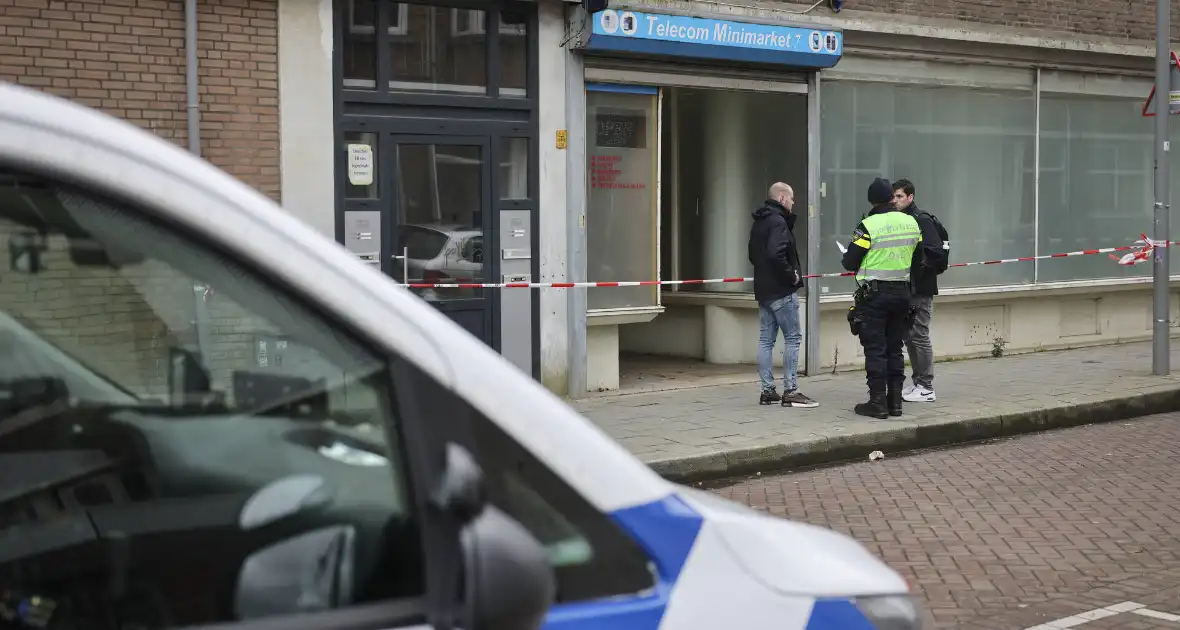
(508, 580)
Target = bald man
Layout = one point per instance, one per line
(777, 277)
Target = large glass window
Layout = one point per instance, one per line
(726, 148)
(621, 216)
(439, 49)
(1097, 183)
(969, 152)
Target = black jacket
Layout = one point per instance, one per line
(923, 277)
(773, 253)
(855, 254)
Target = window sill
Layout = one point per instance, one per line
(717, 298)
(1006, 292)
(618, 316)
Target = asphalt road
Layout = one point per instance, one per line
(1016, 532)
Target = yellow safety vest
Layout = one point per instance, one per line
(891, 240)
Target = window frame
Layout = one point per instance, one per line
(653, 109)
(618, 557)
(423, 452)
(385, 90)
(396, 27)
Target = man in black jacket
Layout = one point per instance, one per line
(924, 278)
(777, 278)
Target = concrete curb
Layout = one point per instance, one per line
(895, 439)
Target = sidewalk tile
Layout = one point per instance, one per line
(720, 430)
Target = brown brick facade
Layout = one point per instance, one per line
(1114, 19)
(126, 57)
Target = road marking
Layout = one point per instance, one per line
(1074, 621)
(1157, 614)
(1125, 607)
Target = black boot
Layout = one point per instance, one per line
(893, 398)
(875, 408)
(769, 397)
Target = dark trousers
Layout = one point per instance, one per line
(882, 331)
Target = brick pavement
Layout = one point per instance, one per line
(717, 431)
(1014, 532)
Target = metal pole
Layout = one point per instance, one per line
(406, 265)
(192, 107)
(1160, 351)
(192, 99)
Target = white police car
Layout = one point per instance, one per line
(211, 414)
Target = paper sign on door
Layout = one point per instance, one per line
(360, 164)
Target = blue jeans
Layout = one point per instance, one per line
(783, 314)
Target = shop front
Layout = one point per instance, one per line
(689, 120)
(1026, 149)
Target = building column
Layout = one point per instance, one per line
(306, 116)
(552, 205)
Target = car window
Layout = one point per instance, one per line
(473, 249)
(421, 243)
(180, 442)
(593, 558)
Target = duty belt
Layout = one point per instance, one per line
(888, 284)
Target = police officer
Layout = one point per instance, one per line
(882, 252)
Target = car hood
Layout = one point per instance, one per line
(794, 558)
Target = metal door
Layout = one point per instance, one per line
(439, 227)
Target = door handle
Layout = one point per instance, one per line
(405, 258)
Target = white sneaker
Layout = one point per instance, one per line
(918, 394)
(905, 391)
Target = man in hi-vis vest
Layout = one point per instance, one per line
(883, 250)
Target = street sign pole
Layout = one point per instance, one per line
(1160, 351)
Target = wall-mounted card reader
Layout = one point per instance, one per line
(516, 305)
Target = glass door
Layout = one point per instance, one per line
(440, 228)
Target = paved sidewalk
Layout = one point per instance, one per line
(718, 431)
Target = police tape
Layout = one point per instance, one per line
(1142, 252)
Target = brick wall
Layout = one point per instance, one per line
(1115, 19)
(126, 57)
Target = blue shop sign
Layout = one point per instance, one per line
(684, 36)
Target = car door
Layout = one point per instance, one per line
(201, 300)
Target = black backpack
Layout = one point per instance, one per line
(941, 259)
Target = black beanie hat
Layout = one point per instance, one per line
(880, 191)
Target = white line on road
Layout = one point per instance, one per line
(1074, 621)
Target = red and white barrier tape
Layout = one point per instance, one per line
(1142, 254)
